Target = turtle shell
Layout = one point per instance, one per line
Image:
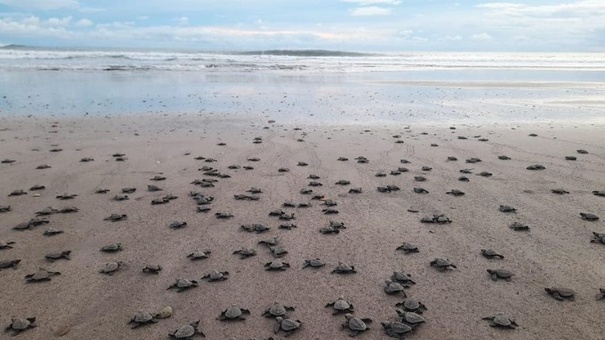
(142, 317)
(342, 304)
(277, 309)
(356, 324)
(289, 324)
(184, 332)
(233, 312)
(20, 324)
(183, 283)
(502, 320)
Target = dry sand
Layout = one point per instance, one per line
(556, 252)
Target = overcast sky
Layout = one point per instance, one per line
(356, 25)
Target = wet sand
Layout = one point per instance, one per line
(555, 252)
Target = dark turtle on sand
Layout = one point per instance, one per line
(254, 228)
(304, 205)
(306, 191)
(111, 267)
(6, 244)
(455, 192)
(601, 295)
(507, 209)
(315, 184)
(341, 306)
(497, 274)
(536, 167)
(344, 268)
(187, 332)
(233, 167)
(404, 161)
(128, 190)
(234, 313)
(31, 224)
(68, 210)
(362, 160)
(157, 178)
(286, 216)
(152, 269)
(183, 284)
(318, 197)
(412, 305)
(426, 168)
(313, 263)
(9, 264)
(41, 275)
(253, 159)
(380, 174)
(518, 226)
(52, 232)
(7, 161)
(116, 217)
(287, 326)
(254, 190)
(421, 191)
(589, 217)
(278, 251)
(47, 211)
(289, 204)
(153, 188)
(313, 176)
(403, 278)
(329, 211)
(407, 248)
(561, 294)
(466, 171)
(343, 182)
(19, 325)
(277, 265)
(396, 329)
(120, 198)
(67, 196)
(58, 255)
(329, 230)
(504, 157)
(598, 238)
(223, 215)
(277, 212)
(393, 288)
(463, 179)
(436, 218)
(582, 151)
(302, 164)
(283, 170)
(17, 193)
(245, 253)
(199, 255)
(559, 191)
(101, 191)
(356, 325)
(501, 321)
(571, 158)
(355, 191)
(442, 264)
(342, 159)
(215, 275)
(142, 319)
(419, 178)
(599, 193)
(485, 174)
(112, 248)
(37, 187)
(473, 160)
(177, 224)
(43, 166)
(86, 159)
(276, 310)
(270, 242)
(5, 208)
(410, 318)
(56, 150)
(490, 254)
(203, 208)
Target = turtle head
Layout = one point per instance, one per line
(349, 316)
(279, 319)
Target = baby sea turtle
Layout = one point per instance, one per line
(302, 164)
(111, 267)
(559, 191)
(396, 329)
(392, 288)
(152, 269)
(283, 170)
(186, 332)
(112, 248)
(101, 191)
(223, 215)
(5, 208)
(17, 193)
(403, 278)
(215, 275)
(277, 309)
(473, 160)
(463, 179)
(313, 263)
(356, 325)
(37, 187)
(19, 325)
(490, 254)
(315, 184)
(31, 224)
(52, 232)
(407, 248)
(343, 182)
(517, 226)
(507, 209)
(362, 160)
(142, 319)
(497, 274)
(254, 190)
(67, 196)
(277, 265)
(419, 178)
(455, 192)
(278, 251)
(436, 218)
(304, 205)
(287, 326)
(86, 159)
(410, 318)
(177, 224)
(598, 237)
(501, 321)
(313, 176)
(344, 268)
(536, 167)
(355, 191)
(153, 188)
(157, 178)
(41, 275)
(7, 161)
(599, 193)
(245, 253)
(120, 198)
(561, 294)
(485, 174)
(6, 244)
(68, 210)
(329, 211)
(582, 151)
(504, 157)
(421, 191)
(571, 158)
(380, 174)
(128, 190)
(442, 264)
(341, 306)
(234, 313)
(199, 255)
(589, 217)
(254, 228)
(601, 294)
(203, 208)
(306, 191)
(182, 285)
(9, 264)
(58, 255)
(466, 171)
(116, 217)
(342, 159)
(43, 166)
(412, 305)
(270, 242)
(47, 211)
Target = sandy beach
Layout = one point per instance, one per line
(555, 252)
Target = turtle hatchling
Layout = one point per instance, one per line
(601, 295)
(396, 329)
(344, 268)
(559, 191)
(393, 288)
(356, 325)
(589, 217)
(9, 264)
(111, 267)
(403, 278)
(19, 325)
(5, 208)
(52, 232)
(6, 244)
(112, 248)
(536, 167)
(186, 332)
(177, 224)
(455, 192)
(278, 251)
(490, 254)
(412, 305)
(120, 198)
(599, 193)
(116, 217)
(407, 248)
(517, 226)
(41, 275)
(287, 326)
(234, 313)
(507, 209)
(313, 263)
(341, 306)
(561, 294)
(223, 215)
(58, 255)
(215, 275)
(277, 309)
(598, 237)
(17, 193)
(152, 269)
(182, 285)
(501, 321)
(142, 319)
(255, 228)
(497, 274)
(442, 264)
(199, 255)
(245, 253)
(277, 265)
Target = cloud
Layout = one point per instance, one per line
(41, 4)
(577, 8)
(482, 37)
(370, 11)
(84, 23)
(56, 22)
(453, 37)
(373, 2)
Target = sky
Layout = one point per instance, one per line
(353, 25)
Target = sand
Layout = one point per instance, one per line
(556, 251)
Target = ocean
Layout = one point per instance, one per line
(305, 86)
